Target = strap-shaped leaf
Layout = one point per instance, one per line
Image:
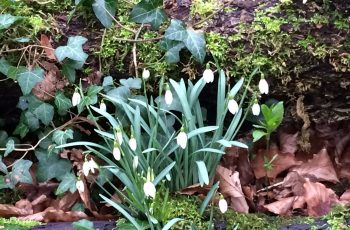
(171, 223)
(201, 130)
(208, 197)
(163, 173)
(104, 11)
(73, 50)
(148, 11)
(202, 173)
(27, 79)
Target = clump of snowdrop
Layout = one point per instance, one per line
(256, 108)
(148, 188)
(116, 151)
(119, 135)
(103, 106)
(88, 166)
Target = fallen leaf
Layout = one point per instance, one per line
(296, 182)
(195, 189)
(281, 207)
(319, 168)
(7, 210)
(282, 162)
(230, 187)
(45, 90)
(345, 196)
(85, 197)
(318, 198)
(50, 52)
(288, 142)
(53, 215)
(68, 200)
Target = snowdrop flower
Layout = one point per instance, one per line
(168, 96)
(80, 186)
(222, 205)
(181, 139)
(103, 106)
(263, 86)
(76, 98)
(256, 108)
(168, 177)
(232, 106)
(304, 1)
(132, 143)
(116, 151)
(208, 75)
(135, 162)
(145, 74)
(88, 166)
(148, 188)
(119, 136)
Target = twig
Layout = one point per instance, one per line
(118, 23)
(139, 40)
(134, 51)
(26, 47)
(270, 187)
(211, 15)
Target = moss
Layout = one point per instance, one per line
(203, 8)
(10, 196)
(14, 223)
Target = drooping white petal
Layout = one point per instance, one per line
(256, 109)
(149, 189)
(132, 144)
(181, 139)
(168, 177)
(232, 106)
(304, 1)
(222, 205)
(103, 107)
(86, 168)
(145, 74)
(168, 97)
(208, 76)
(119, 137)
(80, 186)
(116, 153)
(93, 165)
(76, 98)
(263, 86)
(135, 162)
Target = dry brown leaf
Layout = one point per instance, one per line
(282, 162)
(281, 207)
(299, 203)
(195, 189)
(318, 198)
(296, 182)
(230, 187)
(345, 196)
(288, 142)
(53, 215)
(85, 197)
(33, 191)
(46, 89)
(68, 200)
(7, 210)
(319, 168)
(45, 41)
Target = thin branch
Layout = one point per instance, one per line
(211, 15)
(26, 47)
(139, 40)
(134, 54)
(118, 23)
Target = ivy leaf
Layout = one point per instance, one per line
(4, 66)
(31, 120)
(3, 167)
(62, 103)
(22, 128)
(83, 225)
(195, 43)
(73, 50)
(176, 31)
(68, 183)
(10, 146)
(44, 113)
(148, 11)
(133, 83)
(27, 79)
(20, 172)
(6, 20)
(173, 48)
(50, 166)
(107, 84)
(60, 137)
(104, 11)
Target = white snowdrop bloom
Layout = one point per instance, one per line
(223, 205)
(149, 189)
(132, 144)
(168, 177)
(146, 74)
(80, 186)
(88, 166)
(181, 139)
(304, 1)
(103, 106)
(263, 86)
(116, 152)
(208, 76)
(76, 98)
(119, 136)
(232, 106)
(168, 97)
(256, 109)
(135, 162)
